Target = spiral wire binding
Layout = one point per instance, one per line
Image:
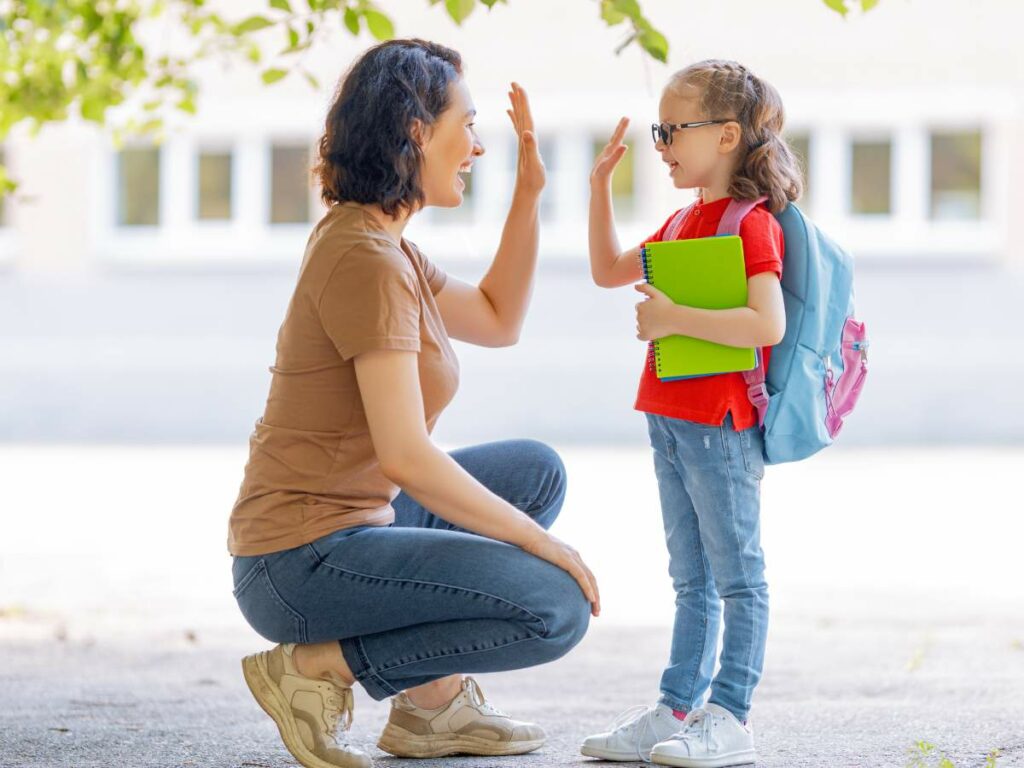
(653, 354)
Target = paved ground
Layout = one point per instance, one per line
(178, 355)
(897, 611)
(839, 691)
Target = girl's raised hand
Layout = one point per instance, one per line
(613, 151)
(530, 173)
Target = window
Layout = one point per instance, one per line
(214, 186)
(138, 187)
(956, 176)
(871, 177)
(623, 179)
(800, 143)
(289, 184)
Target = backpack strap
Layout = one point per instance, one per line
(757, 390)
(676, 225)
(734, 214)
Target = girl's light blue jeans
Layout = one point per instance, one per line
(709, 479)
(420, 600)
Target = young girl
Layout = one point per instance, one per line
(720, 132)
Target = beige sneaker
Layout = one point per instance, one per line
(306, 710)
(468, 726)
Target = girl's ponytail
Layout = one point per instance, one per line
(767, 166)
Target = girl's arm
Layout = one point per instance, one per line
(762, 323)
(491, 314)
(390, 388)
(609, 265)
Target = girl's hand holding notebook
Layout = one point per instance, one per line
(654, 315)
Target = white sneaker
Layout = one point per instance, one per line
(632, 735)
(711, 737)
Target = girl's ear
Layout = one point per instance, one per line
(730, 137)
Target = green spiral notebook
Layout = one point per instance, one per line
(708, 273)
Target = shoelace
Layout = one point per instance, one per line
(698, 718)
(339, 706)
(640, 716)
(476, 695)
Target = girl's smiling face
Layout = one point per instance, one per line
(449, 148)
(697, 157)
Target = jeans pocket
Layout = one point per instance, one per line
(752, 448)
(265, 610)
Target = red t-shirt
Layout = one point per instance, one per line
(708, 399)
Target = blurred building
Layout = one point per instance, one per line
(141, 286)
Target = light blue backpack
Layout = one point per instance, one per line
(817, 371)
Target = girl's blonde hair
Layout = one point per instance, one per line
(728, 90)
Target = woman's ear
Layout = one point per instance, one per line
(730, 137)
(420, 132)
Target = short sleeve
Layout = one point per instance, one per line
(434, 275)
(762, 242)
(660, 234)
(371, 301)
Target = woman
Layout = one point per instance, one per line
(400, 591)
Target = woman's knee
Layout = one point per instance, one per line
(545, 466)
(566, 615)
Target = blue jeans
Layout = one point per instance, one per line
(709, 479)
(420, 599)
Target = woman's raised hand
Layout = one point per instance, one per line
(530, 174)
(557, 552)
(613, 151)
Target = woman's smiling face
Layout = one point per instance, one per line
(449, 149)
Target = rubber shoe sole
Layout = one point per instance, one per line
(401, 743)
(609, 754)
(744, 757)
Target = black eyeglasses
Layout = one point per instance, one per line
(663, 131)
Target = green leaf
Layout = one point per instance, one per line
(491, 3)
(652, 41)
(273, 75)
(867, 5)
(93, 108)
(630, 8)
(281, 5)
(311, 79)
(352, 21)
(7, 185)
(610, 14)
(380, 26)
(188, 105)
(839, 6)
(293, 37)
(459, 10)
(252, 24)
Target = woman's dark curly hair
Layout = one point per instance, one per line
(367, 153)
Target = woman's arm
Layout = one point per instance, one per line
(491, 314)
(390, 388)
(610, 267)
(762, 323)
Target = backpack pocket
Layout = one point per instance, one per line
(841, 395)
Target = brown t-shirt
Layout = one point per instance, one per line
(312, 468)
